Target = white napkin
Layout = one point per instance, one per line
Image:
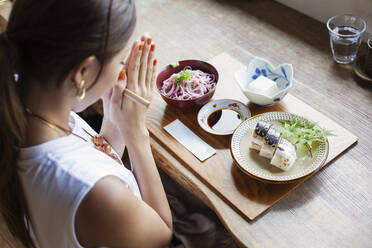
(191, 141)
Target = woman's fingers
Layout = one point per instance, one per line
(130, 58)
(106, 98)
(140, 65)
(138, 61)
(134, 65)
(144, 62)
(150, 65)
(154, 63)
(117, 96)
(123, 78)
(126, 65)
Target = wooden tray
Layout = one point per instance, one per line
(247, 196)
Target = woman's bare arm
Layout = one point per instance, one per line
(111, 216)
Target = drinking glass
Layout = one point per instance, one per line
(345, 37)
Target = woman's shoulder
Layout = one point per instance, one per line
(69, 161)
(69, 165)
(66, 159)
(69, 156)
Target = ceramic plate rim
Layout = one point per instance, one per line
(278, 180)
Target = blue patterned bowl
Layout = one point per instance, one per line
(282, 75)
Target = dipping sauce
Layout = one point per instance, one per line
(224, 120)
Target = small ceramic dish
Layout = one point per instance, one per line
(281, 75)
(249, 161)
(222, 117)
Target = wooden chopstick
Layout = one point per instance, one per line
(138, 99)
(133, 96)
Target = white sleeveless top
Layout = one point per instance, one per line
(56, 176)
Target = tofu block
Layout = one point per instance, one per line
(264, 86)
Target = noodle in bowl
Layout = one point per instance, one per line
(189, 85)
(196, 84)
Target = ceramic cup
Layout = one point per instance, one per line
(368, 64)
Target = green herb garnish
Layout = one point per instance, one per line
(174, 65)
(304, 132)
(183, 75)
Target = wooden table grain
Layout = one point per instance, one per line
(334, 207)
(247, 196)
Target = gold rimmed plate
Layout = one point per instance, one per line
(259, 167)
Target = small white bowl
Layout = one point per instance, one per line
(282, 75)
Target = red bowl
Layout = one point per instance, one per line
(195, 65)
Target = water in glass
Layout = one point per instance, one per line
(345, 48)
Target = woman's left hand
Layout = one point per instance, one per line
(108, 129)
(106, 100)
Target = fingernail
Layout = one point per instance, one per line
(149, 40)
(155, 61)
(122, 75)
(153, 47)
(141, 45)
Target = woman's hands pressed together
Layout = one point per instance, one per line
(140, 68)
(129, 216)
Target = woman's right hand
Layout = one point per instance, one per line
(130, 116)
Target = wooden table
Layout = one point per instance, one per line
(334, 207)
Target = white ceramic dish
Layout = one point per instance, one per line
(260, 168)
(237, 108)
(282, 75)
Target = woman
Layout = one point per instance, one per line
(60, 185)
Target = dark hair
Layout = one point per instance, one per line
(44, 37)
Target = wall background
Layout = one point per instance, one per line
(322, 10)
